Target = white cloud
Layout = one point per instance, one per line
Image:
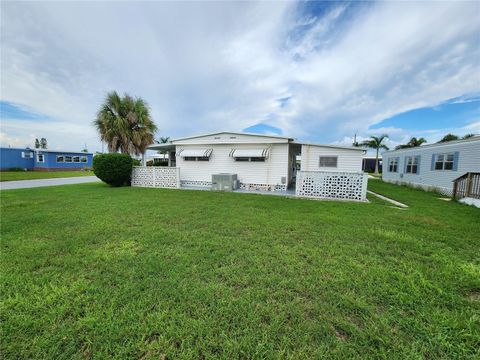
(208, 66)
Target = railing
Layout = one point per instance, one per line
(335, 185)
(467, 185)
(156, 176)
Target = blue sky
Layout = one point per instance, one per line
(317, 71)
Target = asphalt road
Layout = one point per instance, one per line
(26, 184)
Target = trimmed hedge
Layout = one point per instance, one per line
(114, 169)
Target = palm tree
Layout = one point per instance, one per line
(449, 137)
(125, 124)
(375, 142)
(413, 142)
(163, 140)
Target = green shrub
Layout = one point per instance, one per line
(114, 169)
(136, 162)
(17, 169)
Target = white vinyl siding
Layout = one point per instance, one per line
(466, 158)
(268, 172)
(347, 160)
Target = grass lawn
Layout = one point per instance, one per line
(89, 271)
(33, 175)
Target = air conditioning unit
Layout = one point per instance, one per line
(224, 182)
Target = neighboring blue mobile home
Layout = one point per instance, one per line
(42, 159)
(433, 166)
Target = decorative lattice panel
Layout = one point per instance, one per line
(332, 185)
(156, 176)
(262, 187)
(195, 183)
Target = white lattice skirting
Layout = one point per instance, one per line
(195, 183)
(156, 176)
(332, 185)
(262, 187)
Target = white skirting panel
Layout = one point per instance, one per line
(332, 185)
(156, 176)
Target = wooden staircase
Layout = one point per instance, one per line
(467, 185)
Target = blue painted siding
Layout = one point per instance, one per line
(50, 160)
(12, 158)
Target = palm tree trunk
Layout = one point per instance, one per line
(376, 163)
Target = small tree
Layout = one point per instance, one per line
(37, 144)
(376, 142)
(468, 136)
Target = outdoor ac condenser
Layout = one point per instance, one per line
(224, 182)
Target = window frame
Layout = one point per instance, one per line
(84, 159)
(76, 159)
(66, 158)
(38, 158)
(443, 163)
(196, 158)
(27, 154)
(393, 165)
(60, 156)
(250, 159)
(411, 164)
(329, 157)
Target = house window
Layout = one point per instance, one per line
(250, 159)
(444, 161)
(393, 165)
(83, 159)
(328, 161)
(27, 154)
(76, 159)
(60, 158)
(411, 165)
(68, 159)
(40, 158)
(196, 158)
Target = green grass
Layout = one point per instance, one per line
(33, 175)
(89, 271)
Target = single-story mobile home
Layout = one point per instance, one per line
(43, 159)
(260, 162)
(433, 166)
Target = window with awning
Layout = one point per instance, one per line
(249, 154)
(195, 154)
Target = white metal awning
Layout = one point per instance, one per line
(195, 153)
(236, 153)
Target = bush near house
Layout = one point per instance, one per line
(114, 169)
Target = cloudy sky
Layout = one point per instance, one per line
(317, 71)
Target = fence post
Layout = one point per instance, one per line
(455, 185)
(469, 185)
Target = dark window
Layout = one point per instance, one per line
(83, 159)
(393, 165)
(328, 161)
(444, 162)
(412, 165)
(196, 158)
(76, 159)
(257, 159)
(242, 159)
(60, 158)
(68, 159)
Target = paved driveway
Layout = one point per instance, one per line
(24, 184)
